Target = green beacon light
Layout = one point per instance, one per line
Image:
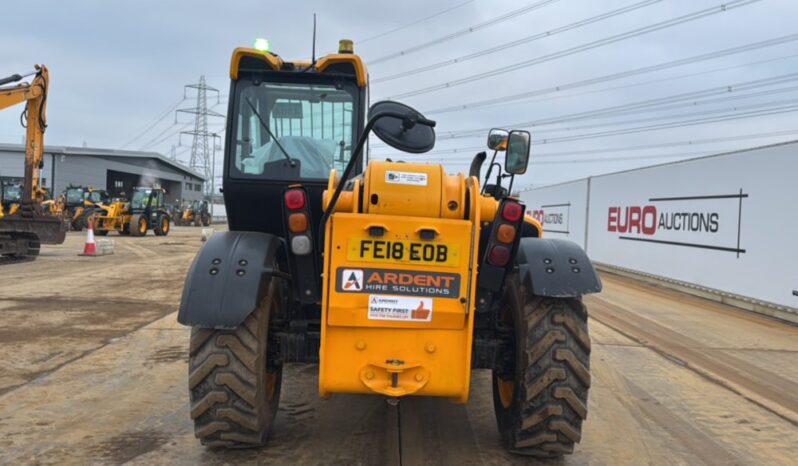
(262, 45)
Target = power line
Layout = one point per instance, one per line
(689, 142)
(515, 43)
(463, 32)
(671, 125)
(730, 111)
(580, 48)
(413, 23)
(535, 161)
(157, 120)
(641, 107)
(620, 75)
(648, 128)
(649, 105)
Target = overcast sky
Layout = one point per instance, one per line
(117, 66)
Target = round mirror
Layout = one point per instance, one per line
(401, 127)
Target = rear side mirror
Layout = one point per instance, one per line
(401, 127)
(497, 139)
(517, 157)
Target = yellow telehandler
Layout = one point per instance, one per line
(398, 279)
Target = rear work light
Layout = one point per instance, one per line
(512, 211)
(295, 199)
(499, 255)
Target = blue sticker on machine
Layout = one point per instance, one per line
(398, 282)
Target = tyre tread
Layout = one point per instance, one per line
(552, 382)
(227, 368)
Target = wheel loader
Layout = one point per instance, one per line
(397, 279)
(143, 212)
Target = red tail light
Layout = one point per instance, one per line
(295, 199)
(499, 256)
(512, 211)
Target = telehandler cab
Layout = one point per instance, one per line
(10, 196)
(396, 278)
(145, 210)
(80, 202)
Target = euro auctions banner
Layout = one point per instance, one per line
(561, 209)
(726, 222)
(706, 221)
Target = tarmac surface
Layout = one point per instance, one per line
(93, 370)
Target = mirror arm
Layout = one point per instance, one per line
(407, 123)
(353, 161)
(510, 189)
(490, 170)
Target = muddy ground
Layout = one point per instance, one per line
(93, 371)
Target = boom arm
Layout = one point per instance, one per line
(34, 94)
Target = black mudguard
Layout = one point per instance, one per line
(228, 278)
(556, 268)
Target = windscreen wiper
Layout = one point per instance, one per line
(266, 127)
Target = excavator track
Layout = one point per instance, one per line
(23, 236)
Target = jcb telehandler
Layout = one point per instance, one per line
(144, 211)
(80, 202)
(196, 213)
(396, 278)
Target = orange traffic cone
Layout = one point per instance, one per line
(90, 248)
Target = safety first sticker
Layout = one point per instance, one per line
(414, 179)
(400, 308)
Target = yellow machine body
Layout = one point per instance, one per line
(398, 311)
(115, 216)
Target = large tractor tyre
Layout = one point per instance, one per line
(197, 220)
(234, 392)
(101, 232)
(138, 225)
(206, 220)
(542, 377)
(82, 221)
(163, 226)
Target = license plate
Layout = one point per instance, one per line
(403, 251)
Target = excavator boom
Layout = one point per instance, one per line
(22, 233)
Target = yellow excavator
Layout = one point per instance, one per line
(23, 232)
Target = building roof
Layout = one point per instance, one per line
(98, 152)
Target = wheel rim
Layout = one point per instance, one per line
(142, 226)
(165, 225)
(506, 391)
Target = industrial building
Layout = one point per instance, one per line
(117, 171)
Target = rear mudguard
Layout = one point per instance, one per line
(228, 279)
(556, 268)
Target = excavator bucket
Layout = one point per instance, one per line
(22, 236)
